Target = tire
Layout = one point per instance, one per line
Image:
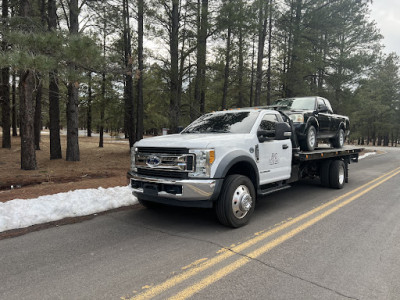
(310, 142)
(324, 173)
(236, 202)
(338, 141)
(337, 174)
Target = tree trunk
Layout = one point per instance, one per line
(72, 153)
(202, 27)
(252, 73)
(128, 85)
(89, 108)
(102, 109)
(14, 105)
(73, 93)
(5, 107)
(5, 87)
(38, 113)
(269, 53)
(27, 112)
(54, 94)
(240, 102)
(174, 105)
(203, 52)
(262, 32)
(103, 85)
(139, 74)
(227, 68)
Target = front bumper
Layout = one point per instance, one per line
(177, 190)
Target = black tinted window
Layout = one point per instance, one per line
(221, 122)
(268, 122)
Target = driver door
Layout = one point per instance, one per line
(275, 156)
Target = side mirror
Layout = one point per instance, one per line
(265, 135)
(283, 131)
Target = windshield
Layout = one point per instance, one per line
(224, 122)
(297, 103)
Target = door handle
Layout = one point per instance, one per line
(285, 147)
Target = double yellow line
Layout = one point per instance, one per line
(208, 280)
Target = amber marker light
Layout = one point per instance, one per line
(212, 156)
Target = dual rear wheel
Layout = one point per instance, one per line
(333, 173)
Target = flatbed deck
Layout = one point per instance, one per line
(326, 152)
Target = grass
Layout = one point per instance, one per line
(104, 167)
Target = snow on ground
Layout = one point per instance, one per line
(20, 213)
(366, 155)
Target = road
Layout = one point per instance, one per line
(306, 242)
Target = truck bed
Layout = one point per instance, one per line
(327, 152)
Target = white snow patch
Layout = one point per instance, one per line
(366, 155)
(21, 213)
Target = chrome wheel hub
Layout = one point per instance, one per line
(311, 138)
(341, 139)
(341, 175)
(241, 201)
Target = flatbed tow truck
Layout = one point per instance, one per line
(227, 160)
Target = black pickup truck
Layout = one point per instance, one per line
(313, 120)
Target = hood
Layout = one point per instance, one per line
(192, 140)
(298, 111)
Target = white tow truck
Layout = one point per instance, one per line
(227, 160)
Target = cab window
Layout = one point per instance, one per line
(268, 122)
(320, 103)
(328, 105)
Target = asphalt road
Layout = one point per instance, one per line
(306, 242)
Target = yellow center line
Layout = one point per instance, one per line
(173, 281)
(191, 290)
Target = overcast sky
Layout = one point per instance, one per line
(386, 13)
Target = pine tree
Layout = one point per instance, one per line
(5, 84)
(73, 153)
(54, 93)
(27, 110)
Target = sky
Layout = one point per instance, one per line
(386, 13)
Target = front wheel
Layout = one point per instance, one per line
(236, 203)
(310, 142)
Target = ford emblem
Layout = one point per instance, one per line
(153, 161)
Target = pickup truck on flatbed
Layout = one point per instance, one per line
(227, 160)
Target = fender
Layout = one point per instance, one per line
(233, 158)
(310, 121)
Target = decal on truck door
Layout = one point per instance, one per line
(274, 160)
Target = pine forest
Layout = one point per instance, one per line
(138, 66)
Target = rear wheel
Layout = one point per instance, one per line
(337, 174)
(338, 141)
(236, 203)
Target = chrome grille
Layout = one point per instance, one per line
(165, 161)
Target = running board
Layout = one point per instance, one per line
(273, 189)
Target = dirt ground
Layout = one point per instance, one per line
(98, 167)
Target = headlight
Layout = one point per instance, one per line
(133, 159)
(297, 118)
(204, 160)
